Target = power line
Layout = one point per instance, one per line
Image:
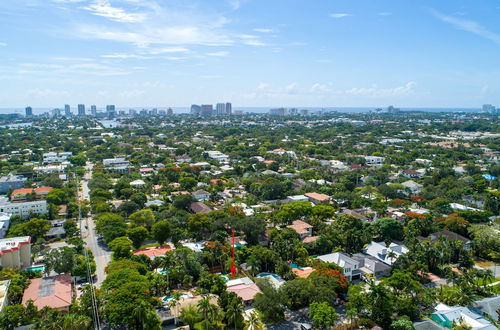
(95, 307)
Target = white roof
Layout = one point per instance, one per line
(137, 183)
(339, 258)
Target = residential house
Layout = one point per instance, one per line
(199, 207)
(317, 198)
(411, 174)
(219, 156)
(54, 292)
(15, 252)
(387, 254)
(350, 266)
(302, 272)
(244, 288)
(450, 316)
(448, 235)
(153, 252)
(11, 182)
(375, 161)
(413, 187)
(56, 157)
(302, 228)
(50, 169)
(137, 183)
(371, 266)
(201, 195)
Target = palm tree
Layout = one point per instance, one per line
(391, 255)
(74, 321)
(254, 321)
(233, 312)
(190, 315)
(140, 314)
(205, 308)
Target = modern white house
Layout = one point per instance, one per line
(350, 267)
(412, 186)
(387, 254)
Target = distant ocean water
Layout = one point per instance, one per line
(254, 109)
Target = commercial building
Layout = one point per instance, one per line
(229, 109)
(15, 252)
(67, 110)
(29, 111)
(207, 109)
(93, 110)
(4, 224)
(117, 165)
(195, 109)
(23, 209)
(19, 195)
(81, 110)
(4, 290)
(56, 157)
(220, 109)
(278, 112)
(11, 182)
(111, 111)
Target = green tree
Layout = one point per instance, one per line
(323, 315)
(254, 321)
(122, 247)
(57, 197)
(137, 235)
(161, 231)
(190, 315)
(60, 260)
(36, 228)
(144, 218)
(269, 302)
(110, 226)
(402, 323)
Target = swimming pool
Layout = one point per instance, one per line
(269, 274)
(36, 268)
(164, 271)
(295, 266)
(225, 278)
(167, 299)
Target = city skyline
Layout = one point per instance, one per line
(252, 53)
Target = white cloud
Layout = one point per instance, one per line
(167, 50)
(43, 93)
(469, 26)
(377, 92)
(340, 15)
(218, 54)
(3, 44)
(384, 13)
(320, 88)
(292, 89)
(236, 4)
(124, 56)
(263, 30)
(105, 9)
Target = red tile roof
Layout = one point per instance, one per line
(25, 191)
(303, 273)
(154, 252)
(300, 227)
(318, 197)
(54, 292)
(245, 291)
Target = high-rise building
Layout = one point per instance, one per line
(220, 109)
(195, 109)
(207, 109)
(229, 109)
(278, 112)
(55, 112)
(93, 110)
(488, 108)
(111, 110)
(170, 112)
(392, 109)
(67, 110)
(81, 110)
(154, 112)
(29, 111)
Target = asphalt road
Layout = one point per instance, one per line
(102, 255)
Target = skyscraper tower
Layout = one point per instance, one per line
(67, 110)
(93, 110)
(170, 112)
(229, 109)
(111, 110)
(207, 109)
(220, 109)
(29, 111)
(81, 110)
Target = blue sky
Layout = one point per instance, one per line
(415, 53)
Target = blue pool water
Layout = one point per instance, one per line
(169, 298)
(36, 268)
(164, 271)
(295, 266)
(269, 274)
